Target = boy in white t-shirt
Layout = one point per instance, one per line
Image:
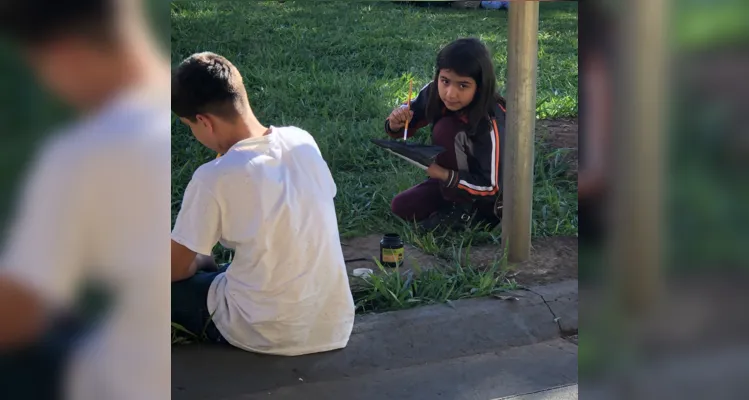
(270, 197)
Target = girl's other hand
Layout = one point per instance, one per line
(437, 172)
(398, 118)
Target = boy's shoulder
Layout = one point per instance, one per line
(214, 169)
(293, 133)
(294, 136)
(206, 173)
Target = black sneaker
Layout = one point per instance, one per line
(486, 222)
(460, 217)
(489, 213)
(456, 217)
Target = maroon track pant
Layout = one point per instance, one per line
(424, 199)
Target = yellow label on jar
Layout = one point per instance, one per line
(392, 255)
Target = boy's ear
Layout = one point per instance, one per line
(204, 120)
(207, 121)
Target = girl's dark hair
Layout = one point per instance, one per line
(467, 57)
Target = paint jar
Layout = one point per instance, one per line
(391, 250)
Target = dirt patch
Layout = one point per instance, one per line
(360, 252)
(553, 259)
(561, 134)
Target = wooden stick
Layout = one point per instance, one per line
(421, 166)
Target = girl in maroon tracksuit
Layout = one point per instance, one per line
(467, 117)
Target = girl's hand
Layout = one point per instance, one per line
(436, 172)
(398, 117)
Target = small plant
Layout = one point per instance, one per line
(180, 335)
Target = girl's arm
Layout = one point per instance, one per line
(484, 179)
(418, 107)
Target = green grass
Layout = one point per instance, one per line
(337, 69)
(396, 289)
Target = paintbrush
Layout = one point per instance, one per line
(408, 104)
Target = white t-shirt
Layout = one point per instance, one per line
(97, 207)
(272, 200)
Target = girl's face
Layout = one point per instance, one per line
(455, 91)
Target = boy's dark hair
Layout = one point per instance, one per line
(35, 22)
(207, 83)
(467, 57)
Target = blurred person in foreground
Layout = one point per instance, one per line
(596, 104)
(94, 212)
(596, 28)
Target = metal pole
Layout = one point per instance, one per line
(522, 60)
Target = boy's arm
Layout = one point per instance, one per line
(196, 231)
(22, 311)
(42, 261)
(419, 108)
(185, 262)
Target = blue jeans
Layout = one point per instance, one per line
(190, 308)
(35, 370)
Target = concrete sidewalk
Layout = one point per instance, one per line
(481, 377)
(568, 392)
(476, 349)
